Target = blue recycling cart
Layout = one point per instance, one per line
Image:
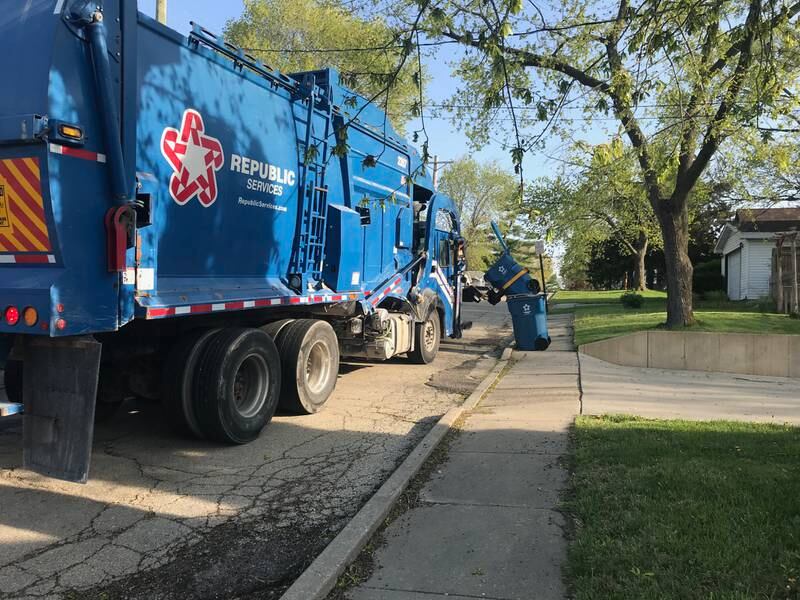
(528, 307)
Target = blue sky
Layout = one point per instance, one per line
(446, 140)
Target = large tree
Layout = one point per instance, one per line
(305, 35)
(598, 199)
(680, 78)
(482, 192)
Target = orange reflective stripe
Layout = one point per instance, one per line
(515, 278)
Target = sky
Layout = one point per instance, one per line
(446, 141)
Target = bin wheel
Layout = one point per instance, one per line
(179, 373)
(310, 353)
(236, 385)
(12, 376)
(427, 337)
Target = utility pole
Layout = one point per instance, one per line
(437, 168)
(161, 11)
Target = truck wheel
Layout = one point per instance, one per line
(236, 385)
(12, 376)
(275, 328)
(427, 337)
(310, 353)
(179, 371)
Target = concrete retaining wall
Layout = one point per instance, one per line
(747, 354)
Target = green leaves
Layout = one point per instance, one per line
(341, 149)
(304, 35)
(311, 154)
(517, 154)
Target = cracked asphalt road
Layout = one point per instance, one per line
(165, 517)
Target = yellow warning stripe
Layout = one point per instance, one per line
(515, 278)
(20, 226)
(40, 225)
(17, 247)
(21, 180)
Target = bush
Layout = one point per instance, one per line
(632, 300)
(708, 277)
(716, 296)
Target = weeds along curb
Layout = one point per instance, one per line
(321, 576)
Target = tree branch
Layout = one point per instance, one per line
(714, 132)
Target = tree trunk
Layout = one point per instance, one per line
(673, 216)
(641, 270)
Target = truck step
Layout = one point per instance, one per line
(9, 409)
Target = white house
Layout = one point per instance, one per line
(746, 244)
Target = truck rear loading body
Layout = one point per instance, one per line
(176, 223)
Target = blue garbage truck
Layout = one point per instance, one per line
(181, 222)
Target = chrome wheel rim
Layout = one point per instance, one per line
(318, 367)
(429, 335)
(250, 386)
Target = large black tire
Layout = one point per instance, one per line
(12, 376)
(178, 376)
(236, 385)
(427, 337)
(309, 350)
(275, 328)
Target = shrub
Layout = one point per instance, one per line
(716, 296)
(766, 305)
(632, 300)
(708, 277)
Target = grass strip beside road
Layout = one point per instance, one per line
(684, 510)
(593, 323)
(600, 297)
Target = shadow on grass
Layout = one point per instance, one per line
(677, 509)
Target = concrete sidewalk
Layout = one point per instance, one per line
(486, 524)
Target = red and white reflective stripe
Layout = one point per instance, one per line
(27, 259)
(198, 309)
(393, 287)
(77, 153)
(442, 281)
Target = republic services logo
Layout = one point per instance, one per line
(195, 159)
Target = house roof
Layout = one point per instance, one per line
(759, 220)
(767, 219)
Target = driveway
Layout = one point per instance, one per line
(693, 395)
(165, 517)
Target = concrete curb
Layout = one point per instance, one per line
(320, 577)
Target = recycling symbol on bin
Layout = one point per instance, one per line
(195, 159)
(526, 308)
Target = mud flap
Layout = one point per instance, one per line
(59, 392)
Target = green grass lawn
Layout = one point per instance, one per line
(683, 510)
(594, 323)
(606, 296)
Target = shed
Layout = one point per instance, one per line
(747, 244)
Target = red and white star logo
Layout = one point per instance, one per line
(195, 158)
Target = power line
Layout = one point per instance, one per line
(335, 50)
